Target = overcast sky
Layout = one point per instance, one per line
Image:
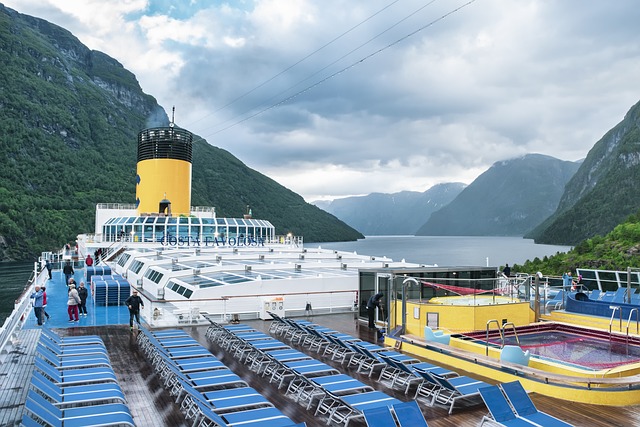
(334, 98)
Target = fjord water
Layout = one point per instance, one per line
(449, 250)
(443, 251)
(13, 279)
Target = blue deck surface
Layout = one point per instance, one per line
(57, 307)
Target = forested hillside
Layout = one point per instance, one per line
(617, 250)
(603, 192)
(69, 119)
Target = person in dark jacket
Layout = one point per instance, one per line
(68, 272)
(506, 270)
(49, 268)
(83, 293)
(134, 303)
(372, 305)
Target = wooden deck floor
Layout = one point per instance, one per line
(151, 404)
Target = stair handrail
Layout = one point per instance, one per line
(633, 310)
(487, 336)
(515, 332)
(613, 314)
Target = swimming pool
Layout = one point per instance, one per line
(586, 348)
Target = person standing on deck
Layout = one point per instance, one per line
(44, 303)
(506, 270)
(89, 261)
(72, 303)
(372, 305)
(49, 267)
(68, 272)
(83, 293)
(567, 281)
(134, 303)
(37, 303)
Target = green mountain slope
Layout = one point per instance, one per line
(69, 119)
(604, 190)
(618, 250)
(509, 199)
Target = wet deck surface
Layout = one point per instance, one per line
(151, 404)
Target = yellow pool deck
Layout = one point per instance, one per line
(618, 386)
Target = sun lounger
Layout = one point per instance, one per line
(409, 414)
(75, 376)
(524, 407)
(80, 395)
(500, 412)
(402, 375)
(73, 350)
(77, 395)
(211, 419)
(456, 389)
(223, 401)
(71, 362)
(65, 341)
(379, 417)
(95, 415)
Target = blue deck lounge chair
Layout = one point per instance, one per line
(75, 376)
(211, 419)
(499, 409)
(64, 341)
(556, 302)
(379, 417)
(455, 389)
(409, 414)
(77, 395)
(524, 407)
(98, 415)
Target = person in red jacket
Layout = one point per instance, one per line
(44, 302)
(88, 261)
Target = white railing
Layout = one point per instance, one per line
(22, 308)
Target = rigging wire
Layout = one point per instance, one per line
(342, 70)
(330, 64)
(297, 62)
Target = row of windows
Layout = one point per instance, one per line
(179, 289)
(188, 220)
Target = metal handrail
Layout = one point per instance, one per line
(487, 336)
(613, 313)
(633, 310)
(515, 333)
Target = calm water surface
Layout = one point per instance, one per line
(443, 251)
(13, 278)
(449, 250)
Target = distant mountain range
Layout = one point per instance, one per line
(535, 196)
(509, 199)
(391, 214)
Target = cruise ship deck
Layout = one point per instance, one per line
(151, 404)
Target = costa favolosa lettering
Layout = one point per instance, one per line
(173, 240)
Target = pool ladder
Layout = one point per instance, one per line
(613, 314)
(501, 329)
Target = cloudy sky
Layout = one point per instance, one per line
(335, 98)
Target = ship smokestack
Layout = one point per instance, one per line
(164, 171)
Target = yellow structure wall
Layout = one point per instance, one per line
(459, 318)
(164, 178)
